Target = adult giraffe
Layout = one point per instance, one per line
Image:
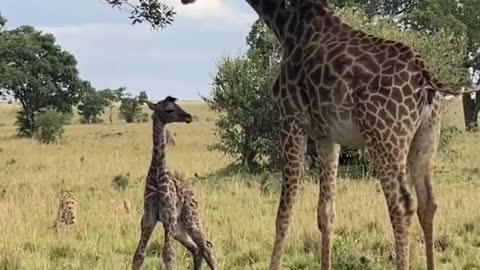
(345, 87)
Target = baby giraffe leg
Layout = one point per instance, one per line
(147, 225)
(183, 237)
(168, 253)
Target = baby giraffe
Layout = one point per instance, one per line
(168, 200)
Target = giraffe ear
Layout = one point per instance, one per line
(170, 99)
(151, 105)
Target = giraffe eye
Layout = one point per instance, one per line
(169, 111)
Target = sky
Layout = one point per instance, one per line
(111, 52)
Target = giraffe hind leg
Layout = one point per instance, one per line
(182, 236)
(195, 232)
(147, 224)
(328, 153)
(205, 248)
(420, 160)
(391, 171)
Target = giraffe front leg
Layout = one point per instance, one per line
(292, 140)
(328, 153)
(168, 253)
(147, 226)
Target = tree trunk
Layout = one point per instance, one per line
(111, 114)
(471, 108)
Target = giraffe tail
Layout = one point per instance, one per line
(433, 84)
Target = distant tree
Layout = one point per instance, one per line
(37, 73)
(142, 97)
(130, 109)
(112, 96)
(92, 104)
(3, 21)
(381, 8)
(156, 13)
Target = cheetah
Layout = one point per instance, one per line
(67, 211)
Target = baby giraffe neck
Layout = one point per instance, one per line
(158, 155)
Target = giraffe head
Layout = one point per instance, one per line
(167, 111)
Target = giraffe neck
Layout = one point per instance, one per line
(159, 163)
(283, 17)
(274, 13)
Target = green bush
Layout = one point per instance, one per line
(143, 118)
(49, 126)
(121, 182)
(130, 109)
(94, 120)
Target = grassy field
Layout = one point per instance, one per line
(239, 218)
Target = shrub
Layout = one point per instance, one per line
(143, 118)
(49, 126)
(95, 120)
(130, 109)
(120, 182)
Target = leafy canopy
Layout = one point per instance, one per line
(460, 17)
(37, 73)
(130, 109)
(92, 104)
(156, 13)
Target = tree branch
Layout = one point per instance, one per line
(157, 14)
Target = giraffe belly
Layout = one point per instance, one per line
(347, 133)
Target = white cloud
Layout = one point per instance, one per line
(113, 55)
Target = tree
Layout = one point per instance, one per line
(142, 97)
(382, 8)
(130, 109)
(156, 13)
(37, 73)
(247, 126)
(3, 21)
(92, 104)
(111, 96)
(50, 126)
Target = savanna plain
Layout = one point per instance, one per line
(237, 210)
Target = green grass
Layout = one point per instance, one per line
(238, 216)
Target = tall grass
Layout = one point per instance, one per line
(238, 214)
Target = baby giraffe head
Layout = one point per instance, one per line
(167, 111)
